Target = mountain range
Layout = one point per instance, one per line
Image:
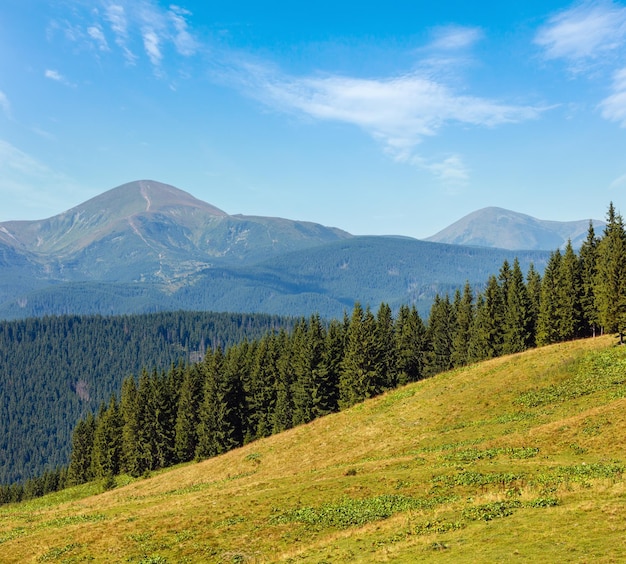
(147, 246)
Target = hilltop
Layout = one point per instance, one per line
(516, 457)
(505, 229)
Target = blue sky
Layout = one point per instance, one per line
(394, 117)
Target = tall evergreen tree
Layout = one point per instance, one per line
(80, 468)
(611, 275)
(131, 421)
(386, 375)
(548, 318)
(328, 374)
(411, 345)
(290, 349)
(217, 428)
(533, 289)
(570, 323)
(464, 316)
(518, 321)
(358, 379)
(588, 256)
(187, 413)
(441, 330)
(107, 442)
(261, 388)
(487, 330)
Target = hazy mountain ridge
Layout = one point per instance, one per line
(500, 228)
(147, 246)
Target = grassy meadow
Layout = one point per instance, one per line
(521, 458)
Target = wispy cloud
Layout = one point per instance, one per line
(4, 104)
(399, 112)
(613, 107)
(53, 75)
(455, 37)
(35, 187)
(590, 37)
(96, 33)
(183, 40)
(115, 15)
(57, 77)
(618, 183)
(584, 34)
(450, 171)
(151, 44)
(153, 25)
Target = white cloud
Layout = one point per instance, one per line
(398, 111)
(96, 33)
(451, 171)
(185, 43)
(151, 44)
(57, 77)
(115, 15)
(585, 33)
(53, 75)
(613, 107)
(4, 104)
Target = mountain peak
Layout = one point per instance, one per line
(501, 228)
(146, 196)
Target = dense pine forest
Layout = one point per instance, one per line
(55, 370)
(241, 392)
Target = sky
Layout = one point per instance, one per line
(396, 117)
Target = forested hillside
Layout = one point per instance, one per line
(247, 391)
(55, 370)
(282, 380)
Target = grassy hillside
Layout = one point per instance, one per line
(519, 458)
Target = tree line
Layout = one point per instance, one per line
(255, 388)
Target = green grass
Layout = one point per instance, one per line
(518, 458)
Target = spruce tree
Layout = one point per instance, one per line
(327, 378)
(518, 322)
(358, 379)
(464, 317)
(386, 375)
(588, 255)
(441, 330)
(285, 413)
(611, 275)
(107, 442)
(488, 327)
(130, 418)
(570, 323)
(80, 468)
(411, 345)
(187, 414)
(533, 288)
(549, 315)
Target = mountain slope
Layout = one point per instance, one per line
(326, 279)
(500, 228)
(518, 457)
(149, 231)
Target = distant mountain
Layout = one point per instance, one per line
(505, 229)
(145, 246)
(148, 231)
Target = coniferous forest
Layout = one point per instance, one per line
(241, 392)
(55, 370)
